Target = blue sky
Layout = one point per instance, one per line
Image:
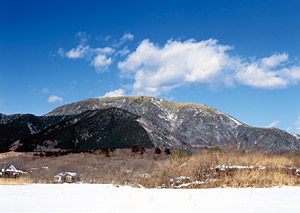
(240, 57)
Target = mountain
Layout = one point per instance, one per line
(94, 129)
(18, 126)
(196, 124)
(167, 124)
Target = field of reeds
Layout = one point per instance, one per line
(203, 169)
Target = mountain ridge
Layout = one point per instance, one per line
(192, 125)
(95, 129)
(196, 124)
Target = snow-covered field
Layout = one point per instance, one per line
(107, 198)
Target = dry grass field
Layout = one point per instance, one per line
(205, 169)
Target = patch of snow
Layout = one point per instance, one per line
(184, 164)
(31, 128)
(15, 145)
(231, 118)
(145, 175)
(95, 107)
(223, 167)
(73, 121)
(195, 183)
(169, 116)
(103, 198)
(296, 136)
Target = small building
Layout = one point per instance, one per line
(11, 172)
(66, 177)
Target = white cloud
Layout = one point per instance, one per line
(83, 37)
(127, 37)
(158, 70)
(105, 50)
(61, 52)
(79, 52)
(101, 62)
(273, 124)
(123, 52)
(114, 93)
(257, 76)
(274, 60)
(297, 123)
(98, 57)
(266, 73)
(45, 90)
(288, 129)
(54, 99)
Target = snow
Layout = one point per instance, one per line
(223, 167)
(31, 128)
(107, 198)
(235, 121)
(296, 136)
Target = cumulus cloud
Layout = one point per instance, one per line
(98, 57)
(274, 60)
(158, 70)
(79, 52)
(114, 93)
(297, 123)
(265, 73)
(54, 99)
(273, 124)
(101, 62)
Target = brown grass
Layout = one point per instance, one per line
(261, 178)
(15, 181)
(153, 170)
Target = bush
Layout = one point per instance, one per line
(180, 155)
(214, 149)
(135, 149)
(157, 151)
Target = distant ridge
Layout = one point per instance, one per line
(191, 125)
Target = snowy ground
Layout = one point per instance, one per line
(107, 198)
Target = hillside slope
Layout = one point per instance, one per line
(19, 126)
(197, 125)
(94, 129)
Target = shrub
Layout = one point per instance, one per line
(157, 151)
(167, 151)
(214, 149)
(180, 155)
(135, 149)
(142, 150)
